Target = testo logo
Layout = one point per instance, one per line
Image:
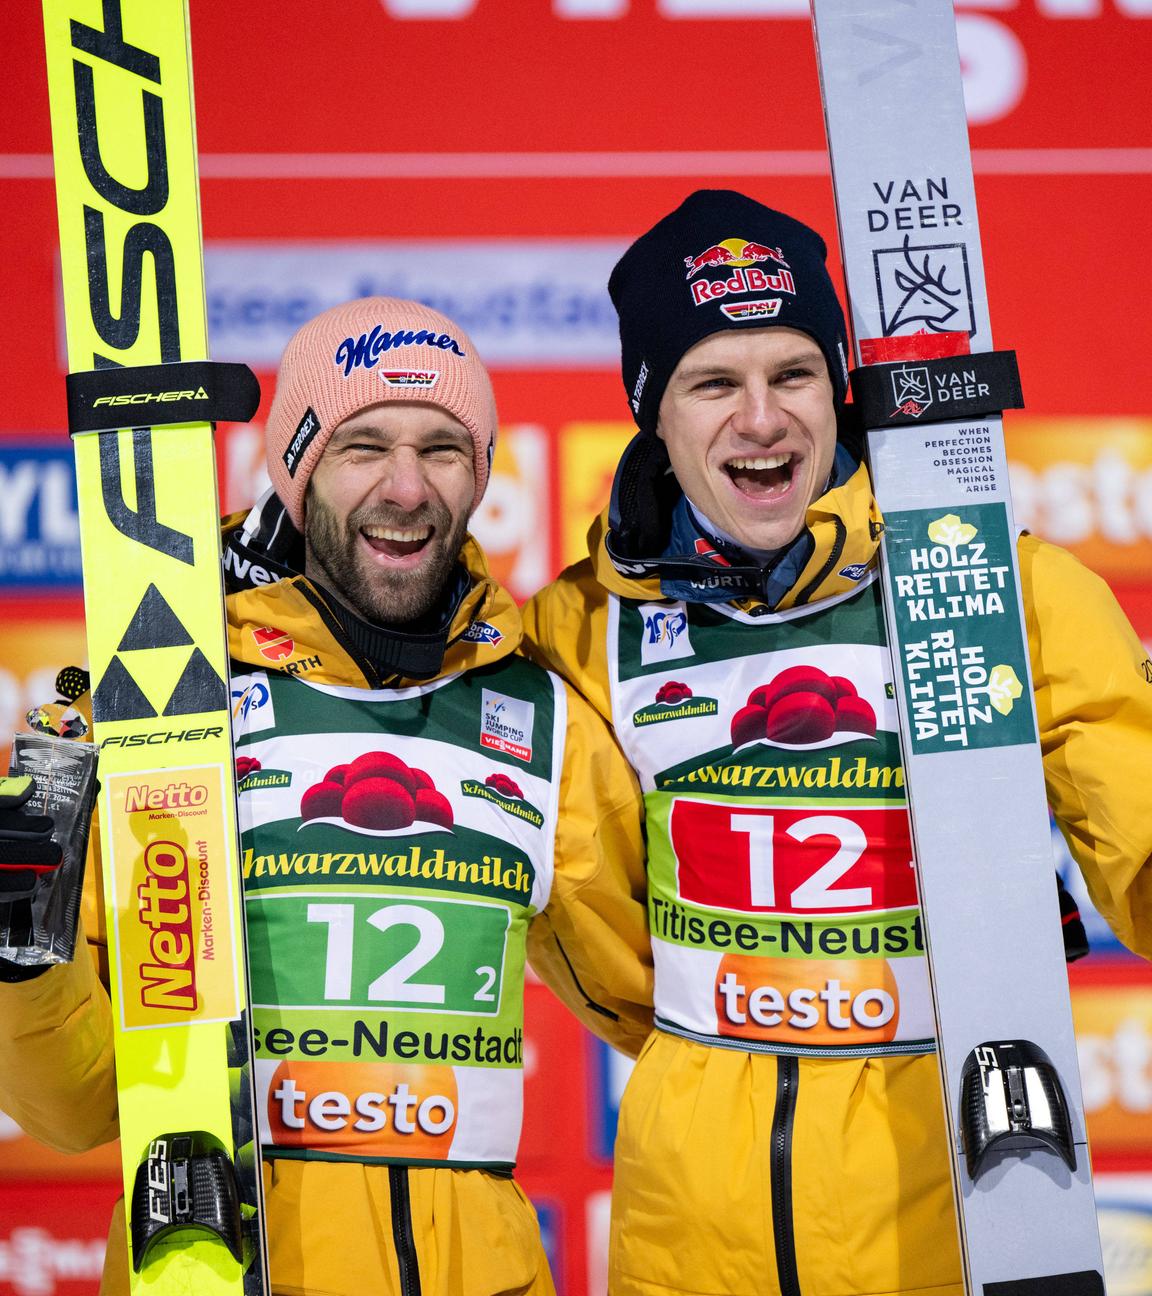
(363, 1109)
(807, 1001)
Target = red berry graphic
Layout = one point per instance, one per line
(337, 774)
(421, 779)
(796, 679)
(673, 691)
(844, 687)
(433, 807)
(505, 785)
(856, 715)
(245, 765)
(801, 718)
(380, 764)
(748, 724)
(378, 803)
(322, 801)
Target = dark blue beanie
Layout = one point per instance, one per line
(721, 260)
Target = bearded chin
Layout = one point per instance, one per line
(380, 596)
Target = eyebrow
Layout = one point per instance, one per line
(721, 368)
(374, 432)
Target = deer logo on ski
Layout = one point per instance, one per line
(924, 288)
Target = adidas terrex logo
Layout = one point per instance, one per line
(144, 398)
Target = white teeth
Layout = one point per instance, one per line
(393, 533)
(760, 462)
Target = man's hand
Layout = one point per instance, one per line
(27, 850)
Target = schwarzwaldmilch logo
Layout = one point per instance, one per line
(674, 701)
(506, 794)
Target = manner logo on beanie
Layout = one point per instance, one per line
(334, 366)
(721, 260)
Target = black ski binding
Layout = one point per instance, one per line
(1011, 1098)
(186, 1182)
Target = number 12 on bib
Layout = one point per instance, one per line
(931, 390)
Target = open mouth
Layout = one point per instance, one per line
(397, 542)
(761, 476)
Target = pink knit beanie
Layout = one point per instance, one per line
(362, 353)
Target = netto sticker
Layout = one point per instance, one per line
(765, 308)
(302, 438)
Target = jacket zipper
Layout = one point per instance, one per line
(371, 674)
(402, 1237)
(780, 1170)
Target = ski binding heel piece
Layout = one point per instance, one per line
(1011, 1098)
(186, 1182)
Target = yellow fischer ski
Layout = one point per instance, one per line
(124, 144)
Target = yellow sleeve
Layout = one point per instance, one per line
(57, 1065)
(566, 629)
(590, 945)
(1093, 689)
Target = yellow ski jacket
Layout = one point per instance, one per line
(330, 1224)
(750, 1173)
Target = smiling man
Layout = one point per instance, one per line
(782, 1134)
(417, 804)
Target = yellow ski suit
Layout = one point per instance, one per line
(330, 1225)
(751, 1173)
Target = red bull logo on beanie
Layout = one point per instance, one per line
(740, 257)
(367, 349)
(742, 281)
(734, 252)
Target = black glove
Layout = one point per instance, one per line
(27, 850)
(1075, 937)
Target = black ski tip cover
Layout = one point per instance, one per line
(182, 391)
(1011, 1099)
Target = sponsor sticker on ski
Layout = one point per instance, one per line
(962, 655)
(174, 897)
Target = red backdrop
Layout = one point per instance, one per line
(495, 156)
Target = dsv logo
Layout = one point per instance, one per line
(106, 58)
